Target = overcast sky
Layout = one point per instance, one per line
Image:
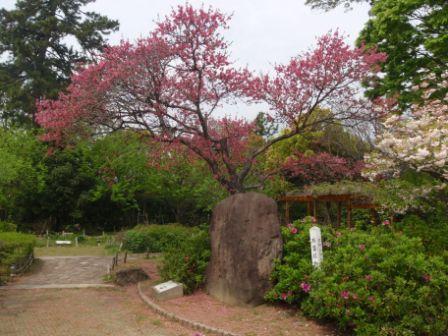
(263, 32)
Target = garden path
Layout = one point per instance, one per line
(59, 297)
(65, 272)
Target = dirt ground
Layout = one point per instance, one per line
(264, 320)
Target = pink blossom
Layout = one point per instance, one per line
(306, 287)
(362, 247)
(171, 84)
(313, 220)
(371, 298)
(386, 222)
(338, 234)
(345, 295)
(294, 230)
(426, 278)
(368, 277)
(284, 296)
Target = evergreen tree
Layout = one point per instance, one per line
(41, 41)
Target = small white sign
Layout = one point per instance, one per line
(168, 290)
(316, 246)
(166, 286)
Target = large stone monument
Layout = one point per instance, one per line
(245, 240)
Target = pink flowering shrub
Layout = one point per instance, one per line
(374, 283)
(291, 275)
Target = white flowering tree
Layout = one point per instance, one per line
(416, 140)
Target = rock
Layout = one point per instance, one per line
(168, 290)
(245, 240)
(130, 276)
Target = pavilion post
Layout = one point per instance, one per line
(315, 209)
(308, 208)
(339, 214)
(349, 213)
(287, 212)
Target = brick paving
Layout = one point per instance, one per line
(54, 271)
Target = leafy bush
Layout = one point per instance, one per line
(378, 282)
(187, 262)
(14, 247)
(7, 227)
(154, 238)
(430, 226)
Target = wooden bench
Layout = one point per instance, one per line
(63, 242)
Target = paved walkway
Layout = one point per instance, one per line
(39, 304)
(65, 272)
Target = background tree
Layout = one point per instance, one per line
(172, 83)
(36, 59)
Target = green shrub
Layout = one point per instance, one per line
(187, 261)
(431, 227)
(14, 247)
(154, 238)
(7, 227)
(377, 283)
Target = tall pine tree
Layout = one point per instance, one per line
(41, 41)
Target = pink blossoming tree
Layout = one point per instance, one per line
(172, 84)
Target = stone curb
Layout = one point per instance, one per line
(192, 324)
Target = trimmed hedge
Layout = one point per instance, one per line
(14, 247)
(155, 238)
(187, 261)
(379, 282)
(7, 227)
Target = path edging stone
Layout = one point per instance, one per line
(186, 322)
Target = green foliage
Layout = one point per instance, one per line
(378, 282)
(430, 226)
(295, 266)
(105, 185)
(187, 261)
(14, 247)
(155, 238)
(22, 171)
(414, 34)
(7, 227)
(36, 62)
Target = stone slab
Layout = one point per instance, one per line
(168, 290)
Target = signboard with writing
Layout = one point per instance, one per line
(316, 246)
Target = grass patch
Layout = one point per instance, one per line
(66, 251)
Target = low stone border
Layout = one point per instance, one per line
(192, 324)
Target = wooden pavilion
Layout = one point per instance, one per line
(344, 199)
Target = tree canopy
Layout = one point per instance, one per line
(172, 83)
(41, 42)
(414, 35)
